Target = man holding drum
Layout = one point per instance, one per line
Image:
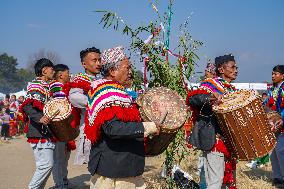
(62, 149)
(275, 102)
(206, 134)
(114, 126)
(38, 134)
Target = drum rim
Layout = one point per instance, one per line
(180, 99)
(238, 106)
(56, 118)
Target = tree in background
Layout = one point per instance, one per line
(13, 79)
(42, 53)
(9, 80)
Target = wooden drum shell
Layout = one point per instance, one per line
(247, 131)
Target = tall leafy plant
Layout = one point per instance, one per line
(162, 66)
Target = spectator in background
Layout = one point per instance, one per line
(14, 105)
(275, 103)
(210, 70)
(264, 97)
(5, 124)
(21, 100)
(19, 117)
(1, 104)
(7, 101)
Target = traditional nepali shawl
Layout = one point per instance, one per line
(56, 89)
(275, 99)
(106, 100)
(218, 85)
(209, 86)
(37, 95)
(82, 81)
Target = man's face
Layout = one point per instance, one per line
(277, 77)
(13, 98)
(21, 99)
(92, 63)
(264, 96)
(48, 72)
(65, 76)
(123, 73)
(229, 70)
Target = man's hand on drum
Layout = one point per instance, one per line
(276, 125)
(150, 128)
(215, 98)
(44, 120)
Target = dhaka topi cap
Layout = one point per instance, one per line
(111, 57)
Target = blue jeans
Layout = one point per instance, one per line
(43, 153)
(202, 181)
(277, 158)
(59, 171)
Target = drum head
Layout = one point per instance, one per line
(56, 104)
(156, 101)
(235, 100)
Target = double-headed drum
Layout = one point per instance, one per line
(162, 106)
(59, 111)
(245, 125)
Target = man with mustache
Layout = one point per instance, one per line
(114, 126)
(218, 166)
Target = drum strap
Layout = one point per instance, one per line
(200, 112)
(84, 144)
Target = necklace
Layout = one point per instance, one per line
(226, 85)
(275, 91)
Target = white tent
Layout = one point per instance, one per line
(20, 93)
(254, 86)
(2, 96)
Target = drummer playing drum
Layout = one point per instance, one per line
(62, 150)
(206, 135)
(114, 126)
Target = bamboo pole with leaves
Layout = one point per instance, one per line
(160, 71)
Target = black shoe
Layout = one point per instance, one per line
(277, 181)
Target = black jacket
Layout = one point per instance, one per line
(36, 129)
(120, 152)
(204, 132)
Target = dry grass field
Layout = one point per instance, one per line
(17, 165)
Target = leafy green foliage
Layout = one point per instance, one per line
(12, 79)
(161, 70)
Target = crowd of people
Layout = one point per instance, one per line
(11, 120)
(112, 133)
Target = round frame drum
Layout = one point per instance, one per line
(59, 111)
(166, 107)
